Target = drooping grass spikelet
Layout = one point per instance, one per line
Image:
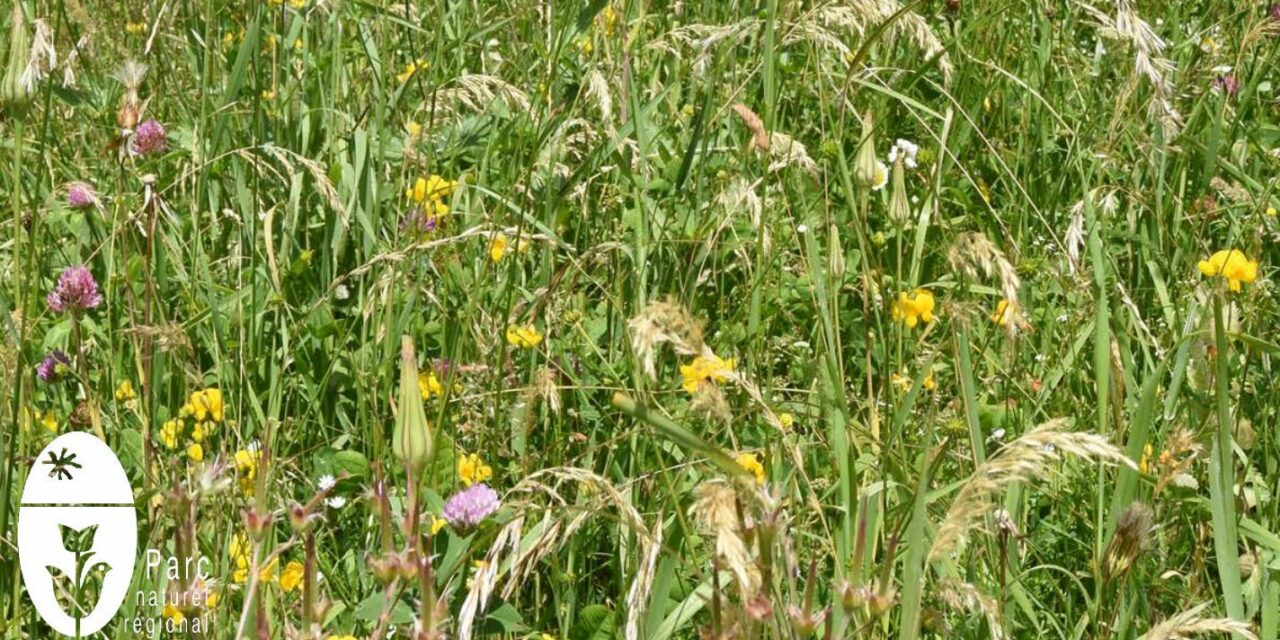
(1024, 460)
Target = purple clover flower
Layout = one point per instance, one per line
(47, 370)
(1275, 12)
(76, 291)
(1227, 84)
(81, 195)
(417, 223)
(148, 139)
(466, 509)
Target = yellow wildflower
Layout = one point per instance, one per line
(434, 187)
(1271, 212)
(525, 336)
(292, 576)
(173, 613)
(195, 452)
(498, 247)
(49, 421)
(169, 433)
(705, 368)
(414, 129)
(929, 384)
(608, 19)
(437, 524)
(207, 405)
(197, 432)
(1005, 313)
(429, 385)
(786, 420)
(411, 68)
(914, 307)
(135, 27)
(246, 470)
(298, 4)
(751, 464)
(471, 469)
(124, 391)
(900, 381)
(1232, 265)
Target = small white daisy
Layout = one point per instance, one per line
(336, 502)
(326, 482)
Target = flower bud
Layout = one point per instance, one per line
(864, 170)
(15, 92)
(411, 441)
(899, 205)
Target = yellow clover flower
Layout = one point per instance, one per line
(524, 336)
(914, 307)
(705, 368)
(292, 576)
(471, 469)
(751, 464)
(1232, 266)
(434, 188)
(429, 385)
(124, 391)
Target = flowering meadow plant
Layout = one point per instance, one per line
(622, 319)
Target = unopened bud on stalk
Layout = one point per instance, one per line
(899, 205)
(14, 92)
(411, 441)
(866, 167)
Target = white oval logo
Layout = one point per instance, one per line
(77, 534)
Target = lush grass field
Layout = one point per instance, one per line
(842, 319)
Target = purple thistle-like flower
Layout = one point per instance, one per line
(1226, 84)
(81, 195)
(469, 507)
(76, 291)
(1275, 12)
(149, 138)
(47, 370)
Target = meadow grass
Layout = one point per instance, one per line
(610, 318)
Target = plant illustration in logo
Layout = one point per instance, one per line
(60, 465)
(77, 535)
(78, 594)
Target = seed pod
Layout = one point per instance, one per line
(14, 92)
(411, 441)
(865, 167)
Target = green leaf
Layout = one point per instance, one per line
(503, 619)
(595, 622)
(370, 609)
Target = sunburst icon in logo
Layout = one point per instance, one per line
(77, 535)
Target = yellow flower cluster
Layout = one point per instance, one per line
(430, 192)
(525, 336)
(500, 246)
(914, 307)
(125, 392)
(429, 385)
(751, 464)
(1232, 266)
(289, 580)
(471, 469)
(411, 68)
(199, 417)
(705, 369)
(247, 462)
